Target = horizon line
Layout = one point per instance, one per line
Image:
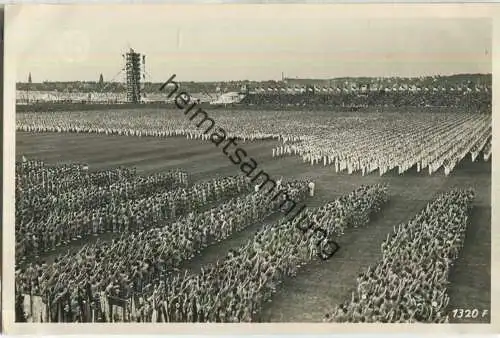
(279, 80)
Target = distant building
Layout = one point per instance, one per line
(228, 98)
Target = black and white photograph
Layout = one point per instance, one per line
(230, 165)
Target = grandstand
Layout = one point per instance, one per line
(472, 91)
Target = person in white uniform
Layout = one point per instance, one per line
(311, 189)
(278, 183)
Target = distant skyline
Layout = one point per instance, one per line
(78, 43)
(263, 80)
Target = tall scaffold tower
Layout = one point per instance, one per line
(134, 69)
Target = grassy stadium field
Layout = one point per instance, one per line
(322, 285)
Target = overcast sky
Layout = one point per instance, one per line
(215, 44)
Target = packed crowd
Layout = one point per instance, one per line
(59, 204)
(39, 189)
(38, 178)
(348, 143)
(410, 282)
(140, 259)
(462, 100)
(152, 124)
(294, 126)
(229, 291)
(432, 143)
(234, 289)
